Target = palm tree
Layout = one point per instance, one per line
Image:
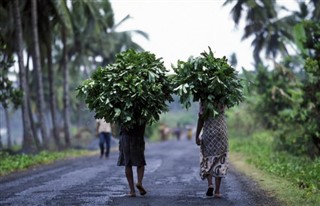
(27, 134)
(65, 28)
(51, 77)
(38, 72)
(94, 36)
(66, 100)
(271, 33)
(76, 33)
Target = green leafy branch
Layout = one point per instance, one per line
(207, 79)
(133, 90)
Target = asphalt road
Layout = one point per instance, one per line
(171, 178)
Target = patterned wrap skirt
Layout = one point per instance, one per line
(214, 148)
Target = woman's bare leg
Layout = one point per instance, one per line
(218, 182)
(210, 186)
(140, 174)
(129, 175)
(209, 178)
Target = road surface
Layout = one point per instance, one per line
(171, 178)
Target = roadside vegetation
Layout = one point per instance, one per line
(293, 179)
(298, 174)
(10, 163)
(276, 129)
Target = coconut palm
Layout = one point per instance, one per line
(70, 37)
(95, 35)
(270, 33)
(27, 134)
(38, 71)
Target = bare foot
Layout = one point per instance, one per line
(217, 195)
(131, 195)
(141, 189)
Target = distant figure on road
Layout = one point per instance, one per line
(177, 132)
(189, 132)
(164, 131)
(131, 147)
(103, 131)
(213, 149)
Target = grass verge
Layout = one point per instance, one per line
(293, 180)
(13, 163)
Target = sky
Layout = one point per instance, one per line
(179, 29)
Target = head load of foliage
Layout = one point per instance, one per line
(132, 91)
(207, 79)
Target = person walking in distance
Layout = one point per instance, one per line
(103, 131)
(213, 148)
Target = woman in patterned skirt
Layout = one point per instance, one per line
(213, 149)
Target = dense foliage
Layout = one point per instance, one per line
(311, 88)
(288, 103)
(133, 90)
(9, 94)
(285, 96)
(207, 79)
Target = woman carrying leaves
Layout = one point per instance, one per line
(215, 84)
(131, 148)
(132, 92)
(213, 148)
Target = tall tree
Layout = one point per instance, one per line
(66, 100)
(270, 33)
(38, 72)
(27, 134)
(51, 78)
(65, 29)
(94, 35)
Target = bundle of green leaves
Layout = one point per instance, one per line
(132, 91)
(207, 79)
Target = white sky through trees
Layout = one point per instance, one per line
(181, 28)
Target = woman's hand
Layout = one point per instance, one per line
(198, 141)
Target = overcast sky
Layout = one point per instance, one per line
(180, 28)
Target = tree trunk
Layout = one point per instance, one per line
(6, 113)
(27, 135)
(66, 115)
(52, 97)
(34, 128)
(33, 125)
(37, 68)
